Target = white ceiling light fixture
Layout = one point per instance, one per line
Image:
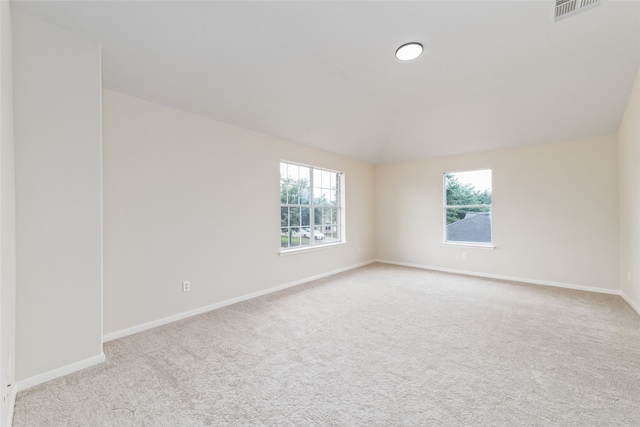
(409, 51)
(566, 8)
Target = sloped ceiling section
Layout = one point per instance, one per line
(493, 74)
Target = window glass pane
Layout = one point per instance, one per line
(468, 225)
(317, 196)
(318, 235)
(326, 196)
(326, 179)
(326, 216)
(295, 236)
(305, 173)
(468, 188)
(292, 193)
(304, 195)
(294, 217)
(305, 236)
(284, 217)
(329, 225)
(284, 237)
(333, 180)
(305, 215)
(333, 215)
(293, 172)
(317, 178)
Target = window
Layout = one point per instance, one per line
(467, 207)
(311, 211)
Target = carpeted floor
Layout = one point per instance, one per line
(377, 346)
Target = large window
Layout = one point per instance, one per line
(310, 206)
(467, 207)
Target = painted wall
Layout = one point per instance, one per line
(629, 160)
(7, 220)
(57, 92)
(555, 214)
(189, 198)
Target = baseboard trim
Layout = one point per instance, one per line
(508, 278)
(629, 301)
(184, 315)
(12, 406)
(59, 372)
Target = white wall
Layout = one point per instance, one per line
(629, 158)
(554, 214)
(57, 110)
(7, 220)
(189, 198)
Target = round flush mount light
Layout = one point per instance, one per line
(409, 51)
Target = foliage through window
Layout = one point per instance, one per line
(467, 207)
(310, 206)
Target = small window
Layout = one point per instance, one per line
(467, 207)
(311, 212)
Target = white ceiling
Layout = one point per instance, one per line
(494, 74)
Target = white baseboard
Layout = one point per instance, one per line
(12, 406)
(184, 315)
(629, 301)
(508, 278)
(59, 372)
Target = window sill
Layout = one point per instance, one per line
(287, 252)
(470, 245)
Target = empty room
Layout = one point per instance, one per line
(308, 213)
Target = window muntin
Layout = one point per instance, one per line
(310, 206)
(467, 207)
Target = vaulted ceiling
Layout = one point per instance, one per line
(494, 74)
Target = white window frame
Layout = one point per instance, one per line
(340, 211)
(489, 244)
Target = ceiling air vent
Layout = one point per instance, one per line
(566, 8)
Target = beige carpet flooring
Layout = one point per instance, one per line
(377, 346)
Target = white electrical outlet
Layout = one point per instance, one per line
(186, 286)
(464, 255)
